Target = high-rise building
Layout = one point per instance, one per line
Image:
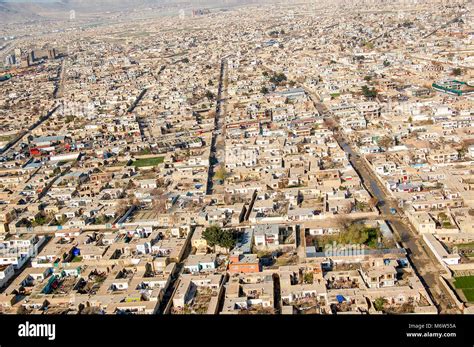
(52, 53)
(10, 60)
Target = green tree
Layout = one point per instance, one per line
(457, 71)
(99, 220)
(221, 173)
(369, 93)
(463, 150)
(210, 95)
(212, 235)
(227, 240)
(462, 153)
(379, 303)
(369, 45)
(39, 220)
(442, 216)
(308, 277)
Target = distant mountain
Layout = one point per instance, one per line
(15, 10)
(18, 11)
(27, 10)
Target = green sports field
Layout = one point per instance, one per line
(466, 284)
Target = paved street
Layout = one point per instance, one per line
(217, 149)
(424, 263)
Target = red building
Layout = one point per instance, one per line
(247, 263)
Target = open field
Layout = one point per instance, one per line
(148, 162)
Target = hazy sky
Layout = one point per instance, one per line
(29, 0)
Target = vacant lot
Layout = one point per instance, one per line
(466, 284)
(467, 249)
(148, 162)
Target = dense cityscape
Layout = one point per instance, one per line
(310, 157)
